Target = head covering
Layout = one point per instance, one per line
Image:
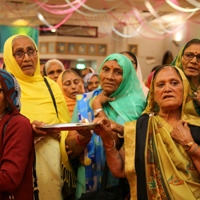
(11, 89)
(90, 69)
(34, 89)
(11, 62)
(87, 80)
(70, 102)
(129, 98)
(152, 106)
(139, 74)
(138, 71)
(192, 107)
(37, 104)
(166, 160)
(149, 79)
(128, 105)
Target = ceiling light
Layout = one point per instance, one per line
(20, 22)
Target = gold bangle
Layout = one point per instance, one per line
(120, 136)
(188, 145)
(191, 153)
(107, 149)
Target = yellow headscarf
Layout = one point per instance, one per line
(192, 107)
(188, 117)
(70, 102)
(161, 131)
(35, 91)
(36, 101)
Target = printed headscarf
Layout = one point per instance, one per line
(192, 107)
(87, 80)
(11, 89)
(152, 106)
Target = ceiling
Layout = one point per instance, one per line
(124, 12)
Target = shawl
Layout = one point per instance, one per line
(139, 74)
(128, 105)
(70, 102)
(11, 88)
(129, 97)
(192, 107)
(169, 171)
(36, 104)
(87, 78)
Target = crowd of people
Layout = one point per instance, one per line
(147, 134)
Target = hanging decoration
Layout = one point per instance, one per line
(138, 19)
(175, 6)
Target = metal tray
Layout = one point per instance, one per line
(68, 126)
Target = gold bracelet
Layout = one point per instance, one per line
(114, 145)
(191, 153)
(120, 136)
(188, 145)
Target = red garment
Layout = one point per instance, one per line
(16, 158)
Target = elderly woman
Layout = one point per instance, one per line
(91, 82)
(41, 100)
(16, 143)
(161, 156)
(137, 68)
(70, 84)
(86, 71)
(53, 68)
(121, 99)
(189, 61)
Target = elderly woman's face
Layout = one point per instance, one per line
(72, 85)
(54, 71)
(93, 83)
(168, 89)
(191, 65)
(2, 101)
(25, 55)
(111, 76)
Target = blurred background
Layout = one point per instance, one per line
(81, 33)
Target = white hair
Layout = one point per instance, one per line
(49, 62)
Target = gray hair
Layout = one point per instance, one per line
(49, 62)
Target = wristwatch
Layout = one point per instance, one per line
(97, 111)
(188, 145)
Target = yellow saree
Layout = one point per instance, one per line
(169, 171)
(192, 107)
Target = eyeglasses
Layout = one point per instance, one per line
(21, 54)
(189, 56)
(1, 90)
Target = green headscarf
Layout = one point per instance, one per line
(129, 100)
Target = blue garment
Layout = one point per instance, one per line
(128, 105)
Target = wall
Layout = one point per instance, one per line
(150, 52)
